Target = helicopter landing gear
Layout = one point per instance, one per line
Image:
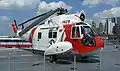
(53, 58)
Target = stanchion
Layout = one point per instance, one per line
(9, 62)
(74, 63)
(100, 63)
(44, 63)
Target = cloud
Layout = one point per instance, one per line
(4, 19)
(45, 7)
(82, 11)
(110, 1)
(90, 2)
(96, 2)
(5, 25)
(18, 4)
(113, 12)
(88, 21)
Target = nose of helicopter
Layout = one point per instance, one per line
(102, 42)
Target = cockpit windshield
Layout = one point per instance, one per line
(87, 30)
(88, 36)
(78, 30)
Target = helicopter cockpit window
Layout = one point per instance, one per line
(88, 36)
(88, 31)
(52, 34)
(75, 32)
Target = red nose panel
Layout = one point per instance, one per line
(78, 44)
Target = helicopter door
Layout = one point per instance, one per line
(88, 36)
(42, 39)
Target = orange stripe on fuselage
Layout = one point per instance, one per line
(77, 43)
(31, 35)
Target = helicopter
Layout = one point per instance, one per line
(56, 32)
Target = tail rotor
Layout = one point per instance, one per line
(14, 28)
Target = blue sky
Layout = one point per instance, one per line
(21, 10)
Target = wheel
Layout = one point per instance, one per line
(33, 52)
(53, 58)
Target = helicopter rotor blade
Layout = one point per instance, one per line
(32, 19)
(39, 20)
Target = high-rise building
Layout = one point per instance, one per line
(110, 22)
(118, 20)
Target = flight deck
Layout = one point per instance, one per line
(13, 59)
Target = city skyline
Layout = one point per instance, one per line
(21, 10)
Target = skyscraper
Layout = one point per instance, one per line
(110, 22)
(118, 20)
